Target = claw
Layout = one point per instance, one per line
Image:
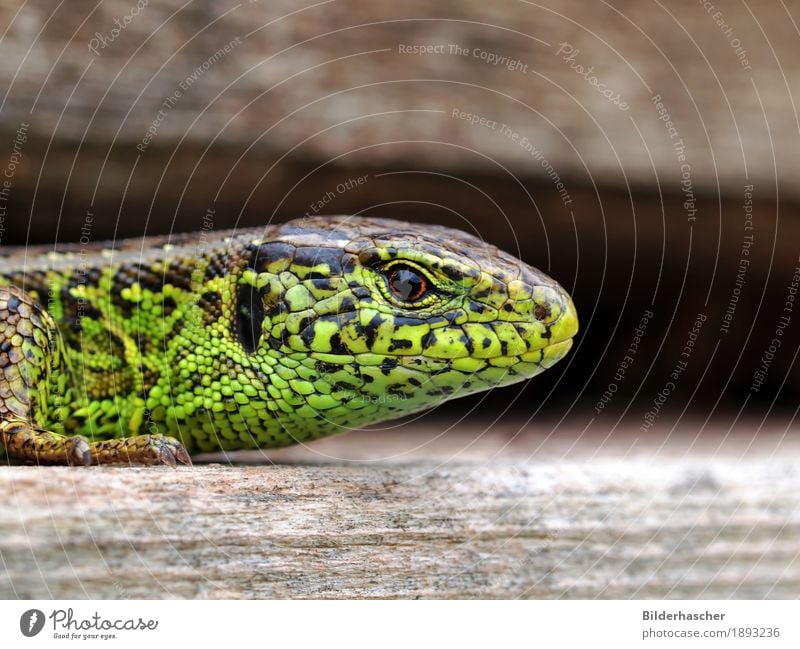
(166, 451)
(182, 455)
(79, 453)
(168, 456)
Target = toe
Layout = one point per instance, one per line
(79, 452)
(182, 455)
(167, 451)
(166, 455)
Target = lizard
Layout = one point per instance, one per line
(150, 350)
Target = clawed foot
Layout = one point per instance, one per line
(152, 450)
(28, 443)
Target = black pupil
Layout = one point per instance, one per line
(406, 284)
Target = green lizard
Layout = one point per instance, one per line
(149, 350)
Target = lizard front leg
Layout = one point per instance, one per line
(36, 385)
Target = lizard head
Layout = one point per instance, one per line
(367, 319)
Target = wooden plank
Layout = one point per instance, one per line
(655, 525)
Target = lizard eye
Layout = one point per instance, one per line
(406, 283)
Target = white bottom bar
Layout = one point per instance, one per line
(400, 624)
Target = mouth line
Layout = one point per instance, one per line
(548, 355)
(564, 344)
(544, 357)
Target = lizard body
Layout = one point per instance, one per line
(149, 349)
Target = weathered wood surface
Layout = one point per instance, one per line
(684, 522)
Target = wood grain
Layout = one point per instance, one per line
(572, 527)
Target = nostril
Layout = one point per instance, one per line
(549, 304)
